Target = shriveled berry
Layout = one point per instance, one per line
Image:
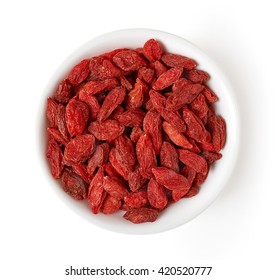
(167, 78)
(136, 199)
(125, 152)
(184, 96)
(114, 187)
(76, 115)
(102, 68)
(197, 76)
(79, 73)
(176, 137)
(152, 50)
(107, 130)
(152, 125)
(111, 204)
(132, 117)
(79, 149)
(111, 101)
(169, 156)
(98, 158)
(195, 127)
(177, 60)
(128, 60)
(73, 184)
(96, 192)
(156, 195)
(55, 158)
(63, 93)
(193, 160)
(141, 215)
(145, 156)
(170, 179)
(134, 99)
(217, 127)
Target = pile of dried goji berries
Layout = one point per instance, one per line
(133, 130)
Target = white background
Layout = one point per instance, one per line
(41, 237)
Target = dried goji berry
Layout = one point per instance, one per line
(135, 97)
(120, 169)
(171, 117)
(152, 125)
(193, 160)
(192, 192)
(51, 112)
(177, 60)
(96, 86)
(61, 121)
(128, 60)
(125, 152)
(167, 78)
(207, 147)
(180, 84)
(79, 73)
(107, 130)
(178, 99)
(197, 76)
(170, 179)
(211, 157)
(159, 68)
(136, 199)
(146, 74)
(111, 172)
(136, 132)
(199, 106)
(81, 170)
(79, 149)
(195, 147)
(132, 117)
(145, 156)
(117, 112)
(102, 68)
(55, 158)
(111, 101)
(96, 192)
(135, 180)
(141, 215)
(156, 195)
(152, 50)
(217, 127)
(200, 178)
(55, 133)
(176, 137)
(73, 184)
(209, 94)
(110, 54)
(110, 204)
(98, 158)
(63, 93)
(92, 103)
(169, 156)
(114, 187)
(195, 127)
(126, 82)
(189, 173)
(76, 115)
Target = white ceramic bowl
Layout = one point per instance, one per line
(186, 209)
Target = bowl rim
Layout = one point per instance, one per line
(72, 59)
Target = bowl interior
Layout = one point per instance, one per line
(186, 209)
